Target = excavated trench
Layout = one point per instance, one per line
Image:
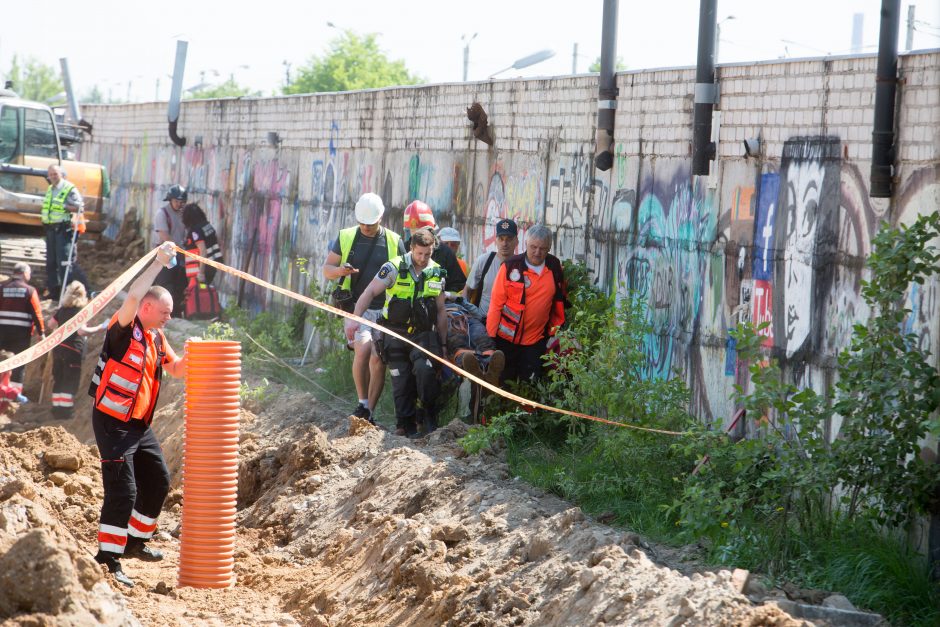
(339, 523)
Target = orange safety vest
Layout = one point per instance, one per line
(117, 380)
(510, 316)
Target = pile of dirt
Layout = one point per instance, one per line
(49, 496)
(107, 258)
(339, 523)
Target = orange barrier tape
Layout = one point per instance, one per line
(76, 322)
(339, 312)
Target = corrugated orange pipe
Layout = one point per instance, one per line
(210, 464)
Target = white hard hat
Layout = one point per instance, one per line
(449, 234)
(369, 209)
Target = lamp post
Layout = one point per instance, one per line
(718, 34)
(466, 53)
(532, 59)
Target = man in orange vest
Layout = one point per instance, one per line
(125, 388)
(527, 305)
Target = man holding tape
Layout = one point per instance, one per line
(125, 388)
(414, 308)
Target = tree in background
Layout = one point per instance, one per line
(353, 62)
(34, 80)
(596, 66)
(228, 89)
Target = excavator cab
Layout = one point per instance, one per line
(29, 143)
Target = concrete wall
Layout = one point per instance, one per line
(782, 237)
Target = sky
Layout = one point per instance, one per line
(127, 48)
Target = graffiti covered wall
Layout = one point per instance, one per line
(778, 238)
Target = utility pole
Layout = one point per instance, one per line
(909, 40)
(466, 54)
(286, 73)
(156, 95)
(574, 59)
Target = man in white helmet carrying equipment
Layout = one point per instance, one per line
(355, 257)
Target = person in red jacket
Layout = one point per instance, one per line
(527, 305)
(124, 390)
(8, 393)
(20, 316)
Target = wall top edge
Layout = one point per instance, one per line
(485, 84)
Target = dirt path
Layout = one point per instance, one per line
(339, 524)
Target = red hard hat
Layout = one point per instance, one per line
(418, 215)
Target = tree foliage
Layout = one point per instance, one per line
(352, 62)
(228, 89)
(596, 66)
(34, 80)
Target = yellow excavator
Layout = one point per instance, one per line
(31, 140)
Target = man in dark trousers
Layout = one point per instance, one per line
(61, 205)
(414, 308)
(125, 389)
(527, 305)
(20, 317)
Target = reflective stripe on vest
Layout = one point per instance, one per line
(53, 207)
(116, 382)
(430, 284)
(346, 239)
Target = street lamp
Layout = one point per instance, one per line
(532, 59)
(718, 34)
(466, 53)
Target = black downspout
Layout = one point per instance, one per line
(607, 90)
(886, 83)
(703, 149)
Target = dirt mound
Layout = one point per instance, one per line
(48, 501)
(108, 258)
(342, 523)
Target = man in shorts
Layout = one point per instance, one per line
(355, 257)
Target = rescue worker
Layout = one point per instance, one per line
(450, 237)
(486, 267)
(418, 215)
(201, 239)
(125, 389)
(168, 227)
(20, 317)
(527, 305)
(60, 208)
(414, 307)
(67, 356)
(357, 255)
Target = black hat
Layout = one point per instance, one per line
(506, 227)
(176, 192)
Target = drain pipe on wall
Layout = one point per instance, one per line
(176, 93)
(706, 90)
(886, 82)
(607, 90)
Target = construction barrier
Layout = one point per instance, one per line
(210, 464)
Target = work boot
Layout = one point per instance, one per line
(140, 550)
(470, 364)
(495, 368)
(114, 567)
(363, 413)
